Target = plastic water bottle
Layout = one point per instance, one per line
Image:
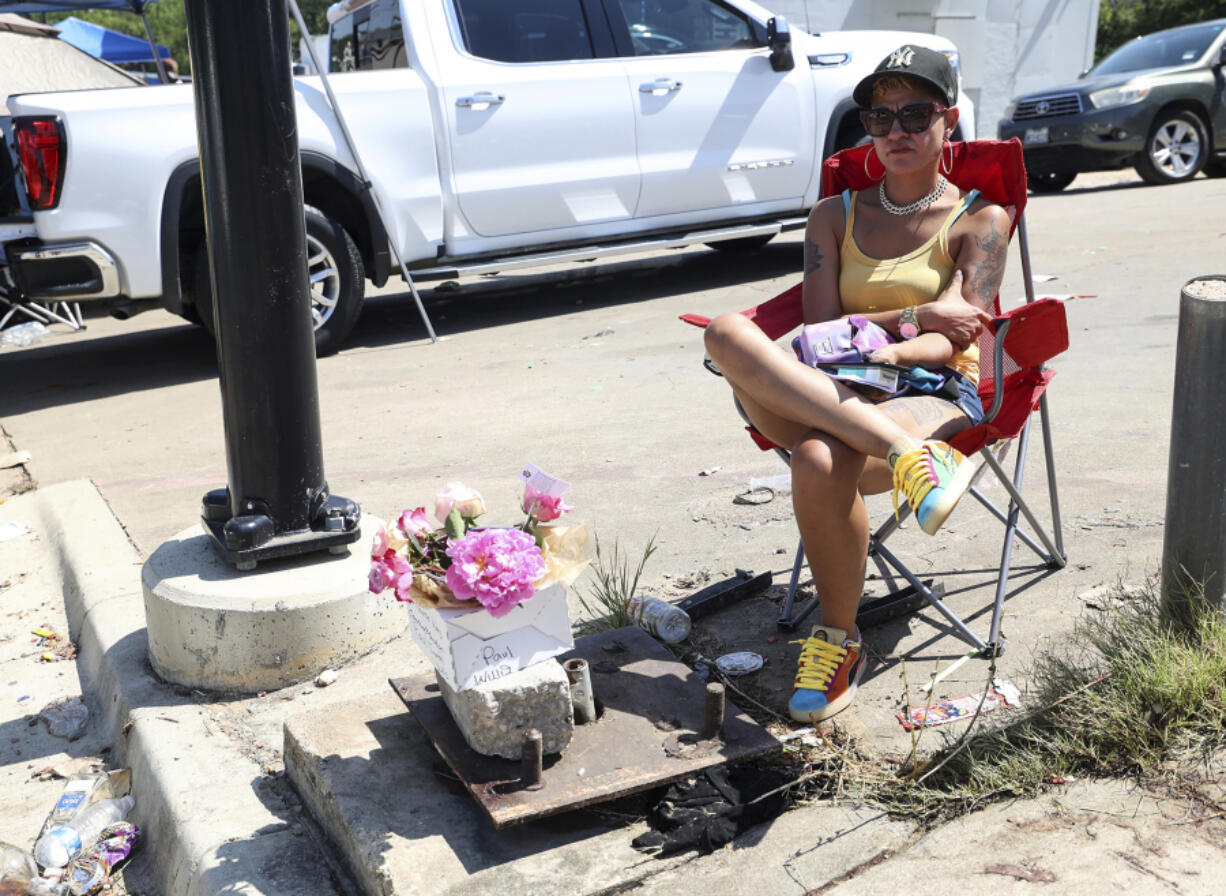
(667, 622)
(16, 865)
(60, 845)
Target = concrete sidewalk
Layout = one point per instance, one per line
(308, 790)
(218, 814)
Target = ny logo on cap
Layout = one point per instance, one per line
(901, 58)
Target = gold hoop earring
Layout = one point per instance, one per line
(950, 169)
(872, 151)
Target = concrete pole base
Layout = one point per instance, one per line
(216, 629)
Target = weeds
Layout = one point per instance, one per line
(607, 598)
(1130, 696)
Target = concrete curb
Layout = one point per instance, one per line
(202, 833)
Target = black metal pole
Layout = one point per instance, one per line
(277, 502)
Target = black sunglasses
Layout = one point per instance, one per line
(914, 118)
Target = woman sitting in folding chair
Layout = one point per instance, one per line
(915, 256)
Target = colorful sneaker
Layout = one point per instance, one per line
(933, 478)
(826, 674)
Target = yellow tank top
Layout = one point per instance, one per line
(887, 284)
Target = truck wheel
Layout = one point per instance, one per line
(744, 244)
(1050, 182)
(337, 282)
(1175, 149)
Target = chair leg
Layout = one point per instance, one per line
(1016, 496)
(788, 621)
(1050, 459)
(931, 596)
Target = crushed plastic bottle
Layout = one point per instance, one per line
(59, 846)
(24, 334)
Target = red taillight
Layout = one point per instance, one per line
(41, 150)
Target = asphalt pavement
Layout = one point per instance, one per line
(586, 372)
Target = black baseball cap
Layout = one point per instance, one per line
(920, 63)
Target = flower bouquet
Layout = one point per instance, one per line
(460, 565)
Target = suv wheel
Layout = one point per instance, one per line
(1050, 182)
(1175, 149)
(334, 268)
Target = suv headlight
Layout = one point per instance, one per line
(1010, 110)
(1117, 96)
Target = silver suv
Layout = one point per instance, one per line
(1157, 104)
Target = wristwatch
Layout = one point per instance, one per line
(908, 323)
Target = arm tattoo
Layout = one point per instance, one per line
(813, 256)
(985, 277)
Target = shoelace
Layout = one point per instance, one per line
(819, 661)
(915, 474)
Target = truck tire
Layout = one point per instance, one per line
(1049, 181)
(337, 282)
(1175, 150)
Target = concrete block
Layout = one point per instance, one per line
(493, 716)
(370, 778)
(217, 629)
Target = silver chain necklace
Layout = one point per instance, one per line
(918, 205)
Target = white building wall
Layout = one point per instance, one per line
(1008, 47)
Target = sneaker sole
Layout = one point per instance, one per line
(949, 499)
(838, 705)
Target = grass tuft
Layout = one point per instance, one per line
(1131, 695)
(615, 583)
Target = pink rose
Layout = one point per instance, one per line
(543, 507)
(379, 546)
(397, 565)
(461, 497)
(380, 577)
(415, 522)
(403, 585)
(496, 567)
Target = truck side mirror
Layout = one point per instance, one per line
(779, 39)
(1221, 57)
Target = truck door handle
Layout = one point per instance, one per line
(481, 100)
(660, 86)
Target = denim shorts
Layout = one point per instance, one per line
(967, 392)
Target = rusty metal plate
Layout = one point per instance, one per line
(647, 735)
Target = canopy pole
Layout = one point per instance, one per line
(353, 149)
(139, 8)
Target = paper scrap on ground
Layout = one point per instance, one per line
(66, 718)
(1003, 693)
(15, 459)
(13, 529)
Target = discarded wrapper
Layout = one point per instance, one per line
(740, 663)
(88, 872)
(1002, 694)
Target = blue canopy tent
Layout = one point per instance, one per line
(113, 46)
(155, 52)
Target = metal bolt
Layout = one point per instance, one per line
(530, 768)
(581, 697)
(713, 725)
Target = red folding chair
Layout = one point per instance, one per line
(1012, 385)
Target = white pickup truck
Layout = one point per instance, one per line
(494, 133)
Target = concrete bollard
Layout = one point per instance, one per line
(1194, 546)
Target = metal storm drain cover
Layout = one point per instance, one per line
(655, 726)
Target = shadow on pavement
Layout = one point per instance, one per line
(84, 368)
